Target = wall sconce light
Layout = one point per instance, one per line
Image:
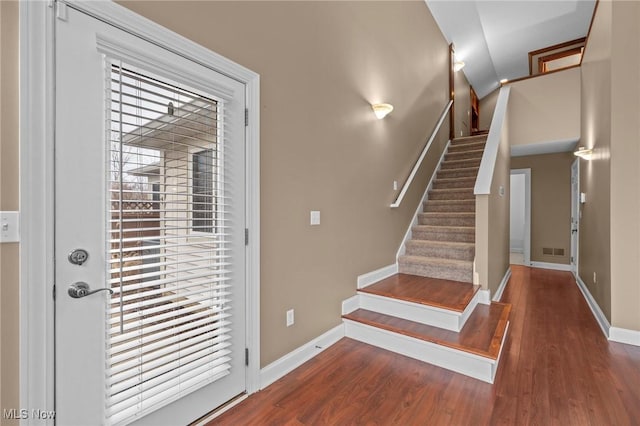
(381, 110)
(584, 153)
(458, 65)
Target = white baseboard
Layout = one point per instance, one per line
(554, 266)
(601, 319)
(297, 357)
(502, 286)
(351, 304)
(372, 277)
(623, 335)
(484, 297)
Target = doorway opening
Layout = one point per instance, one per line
(520, 217)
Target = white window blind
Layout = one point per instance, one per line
(168, 321)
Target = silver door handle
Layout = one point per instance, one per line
(82, 289)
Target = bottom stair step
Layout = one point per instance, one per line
(446, 269)
(474, 351)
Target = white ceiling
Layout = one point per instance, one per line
(494, 38)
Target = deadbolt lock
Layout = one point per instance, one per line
(78, 256)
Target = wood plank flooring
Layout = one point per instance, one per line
(446, 294)
(557, 368)
(481, 335)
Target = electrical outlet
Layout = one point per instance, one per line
(290, 318)
(595, 278)
(395, 185)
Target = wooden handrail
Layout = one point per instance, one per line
(423, 154)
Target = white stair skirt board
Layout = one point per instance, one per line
(502, 286)
(554, 266)
(294, 359)
(471, 365)
(372, 277)
(601, 319)
(424, 314)
(623, 335)
(351, 304)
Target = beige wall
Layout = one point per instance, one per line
(610, 225)
(545, 108)
(321, 65)
(487, 105)
(595, 179)
(550, 203)
(462, 99)
(9, 200)
(625, 166)
(492, 220)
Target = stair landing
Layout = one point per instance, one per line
(482, 334)
(445, 294)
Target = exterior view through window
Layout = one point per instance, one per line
(168, 319)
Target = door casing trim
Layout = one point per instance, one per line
(37, 203)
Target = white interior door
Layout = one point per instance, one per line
(575, 213)
(149, 213)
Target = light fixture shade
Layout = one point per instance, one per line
(585, 153)
(381, 110)
(458, 65)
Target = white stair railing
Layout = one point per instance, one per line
(423, 154)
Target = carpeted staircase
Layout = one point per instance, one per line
(442, 245)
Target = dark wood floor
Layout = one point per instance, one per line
(557, 369)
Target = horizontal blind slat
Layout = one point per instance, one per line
(167, 393)
(161, 383)
(129, 365)
(151, 344)
(150, 329)
(160, 372)
(131, 351)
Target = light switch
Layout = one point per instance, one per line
(315, 217)
(9, 227)
(583, 197)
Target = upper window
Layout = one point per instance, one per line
(557, 57)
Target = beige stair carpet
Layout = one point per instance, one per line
(443, 243)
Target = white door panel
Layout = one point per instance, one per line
(183, 265)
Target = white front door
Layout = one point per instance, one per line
(575, 213)
(149, 215)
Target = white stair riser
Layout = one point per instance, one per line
(429, 315)
(475, 366)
